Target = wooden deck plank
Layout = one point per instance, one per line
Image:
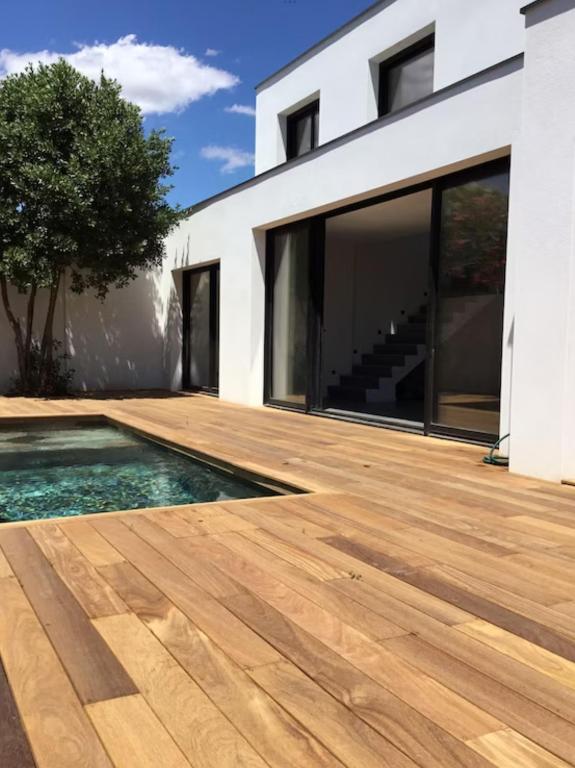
(345, 734)
(368, 622)
(95, 596)
(208, 578)
(133, 735)
(271, 731)
(232, 636)
(94, 547)
(374, 557)
(59, 731)
(436, 702)
(15, 751)
(423, 598)
(348, 566)
(517, 676)
(5, 570)
(533, 721)
(182, 523)
(539, 624)
(93, 669)
(517, 648)
(200, 730)
(413, 733)
(508, 749)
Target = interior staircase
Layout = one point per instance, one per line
(375, 378)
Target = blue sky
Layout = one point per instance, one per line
(184, 61)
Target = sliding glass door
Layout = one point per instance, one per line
(201, 305)
(393, 310)
(469, 296)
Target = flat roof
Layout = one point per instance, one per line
(495, 70)
(325, 41)
(530, 6)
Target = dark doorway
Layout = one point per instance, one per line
(375, 309)
(201, 310)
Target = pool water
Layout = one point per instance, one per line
(78, 470)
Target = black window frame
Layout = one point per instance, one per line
(405, 55)
(310, 110)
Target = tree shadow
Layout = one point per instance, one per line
(117, 346)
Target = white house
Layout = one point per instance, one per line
(404, 254)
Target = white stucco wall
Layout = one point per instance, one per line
(468, 125)
(115, 344)
(8, 357)
(470, 36)
(540, 321)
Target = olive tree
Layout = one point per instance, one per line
(82, 192)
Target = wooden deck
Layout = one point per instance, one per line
(416, 608)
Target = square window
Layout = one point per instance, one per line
(303, 130)
(407, 77)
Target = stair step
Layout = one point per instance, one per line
(360, 381)
(377, 367)
(411, 327)
(405, 338)
(395, 348)
(382, 358)
(354, 394)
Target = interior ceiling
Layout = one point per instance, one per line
(404, 216)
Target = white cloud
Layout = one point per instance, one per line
(159, 78)
(231, 157)
(212, 52)
(241, 109)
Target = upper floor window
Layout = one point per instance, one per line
(303, 130)
(406, 77)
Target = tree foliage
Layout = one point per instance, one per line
(82, 192)
(474, 239)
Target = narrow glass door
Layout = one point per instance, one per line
(468, 322)
(288, 292)
(201, 328)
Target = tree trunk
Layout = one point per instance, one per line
(47, 348)
(16, 328)
(29, 333)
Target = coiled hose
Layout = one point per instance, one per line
(497, 461)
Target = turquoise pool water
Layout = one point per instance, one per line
(52, 471)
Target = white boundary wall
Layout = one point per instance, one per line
(523, 108)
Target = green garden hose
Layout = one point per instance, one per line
(497, 461)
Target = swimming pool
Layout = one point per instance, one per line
(55, 469)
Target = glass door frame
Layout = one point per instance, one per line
(214, 276)
(474, 173)
(316, 235)
(313, 402)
